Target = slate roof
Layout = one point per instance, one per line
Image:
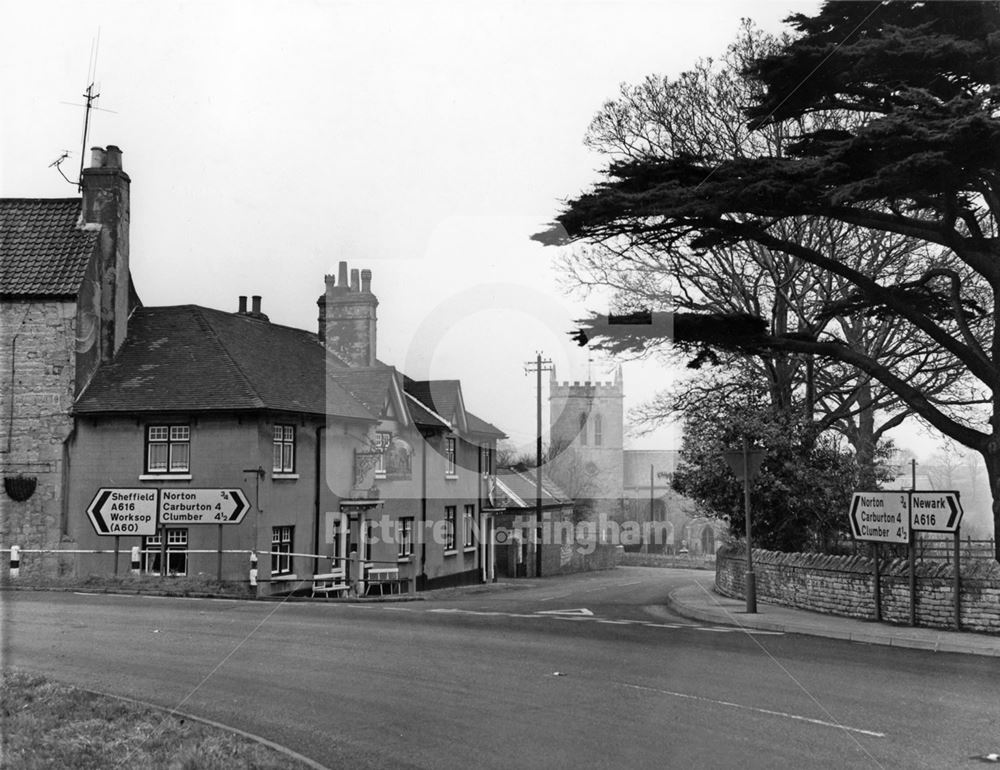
(42, 251)
(423, 416)
(370, 385)
(479, 425)
(190, 358)
(519, 486)
(440, 396)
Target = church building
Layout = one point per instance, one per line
(588, 458)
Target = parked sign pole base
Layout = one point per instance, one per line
(958, 582)
(750, 582)
(877, 582)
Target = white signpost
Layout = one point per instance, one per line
(935, 511)
(202, 506)
(882, 517)
(890, 517)
(123, 511)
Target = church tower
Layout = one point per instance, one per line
(586, 421)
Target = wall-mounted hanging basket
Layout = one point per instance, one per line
(20, 488)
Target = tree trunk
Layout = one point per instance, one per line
(864, 439)
(992, 457)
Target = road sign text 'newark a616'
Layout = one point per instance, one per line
(123, 511)
(937, 511)
(881, 516)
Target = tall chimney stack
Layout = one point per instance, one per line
(105, 187)
(348, 317)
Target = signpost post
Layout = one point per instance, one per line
(745, 463)
(143, 512)
(941, 511)
(895, 517)
(204, 506)
(880, 517)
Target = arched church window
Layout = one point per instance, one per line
(583, 430)
(598, 430)
(708, 540)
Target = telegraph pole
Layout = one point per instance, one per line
(538, 366)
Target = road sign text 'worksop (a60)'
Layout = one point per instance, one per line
(123, 511)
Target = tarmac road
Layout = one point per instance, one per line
(584, 671)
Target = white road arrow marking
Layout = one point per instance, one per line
(581, 611)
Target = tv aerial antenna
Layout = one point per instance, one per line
(91, 95)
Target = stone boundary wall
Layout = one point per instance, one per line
(843, 585)
(564, 560)
(686, 561)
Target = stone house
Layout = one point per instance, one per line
(65, 298)
(333, 450)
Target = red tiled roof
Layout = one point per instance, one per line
(190, 358)
(42, 251)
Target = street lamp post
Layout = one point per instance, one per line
(745, 464)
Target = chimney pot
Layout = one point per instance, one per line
(97, 157)
(366, 281)
(255, 299)
(114, 157)
(243, 304)
(342, 275)
(321, 303)
(331, 280)
(355, 280)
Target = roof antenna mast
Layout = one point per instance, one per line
(91, 96)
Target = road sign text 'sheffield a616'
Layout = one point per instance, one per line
(881, 516)
(123, 511)
(938, 511)
(202, 506)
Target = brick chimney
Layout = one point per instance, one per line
(347, 317)
(105, 187)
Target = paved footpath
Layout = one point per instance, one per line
(701, 602)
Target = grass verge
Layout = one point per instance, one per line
(47, 724)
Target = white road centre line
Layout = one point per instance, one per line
(770, 712)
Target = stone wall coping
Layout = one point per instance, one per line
(976, 571)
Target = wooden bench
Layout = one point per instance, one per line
(383, 577)
(329, 583)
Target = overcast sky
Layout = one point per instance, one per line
(426, 141)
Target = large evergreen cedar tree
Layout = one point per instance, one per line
(923, 162)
